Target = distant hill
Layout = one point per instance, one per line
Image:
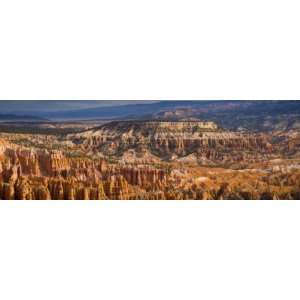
(131, 110)
(20, 118)
(241, 115)
(236, 115)
(119, 111)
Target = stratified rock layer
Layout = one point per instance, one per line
(152, 160)
(170, 141)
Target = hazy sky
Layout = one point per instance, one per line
(17, 106)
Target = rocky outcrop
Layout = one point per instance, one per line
(41, 174)
(152, 162)
(168, 141)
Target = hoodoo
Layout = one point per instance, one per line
(168, 155)
(166, 140)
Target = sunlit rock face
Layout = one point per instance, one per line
(151, 160)
(35, 174)
(167, 141)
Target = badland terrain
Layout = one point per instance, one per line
(159, 150)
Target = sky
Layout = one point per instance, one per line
(17, 106)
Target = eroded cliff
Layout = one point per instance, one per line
(152, 160)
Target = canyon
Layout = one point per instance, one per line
(150, 159)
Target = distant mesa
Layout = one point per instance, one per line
(196, 155)
(182, 124)
(190, 124)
